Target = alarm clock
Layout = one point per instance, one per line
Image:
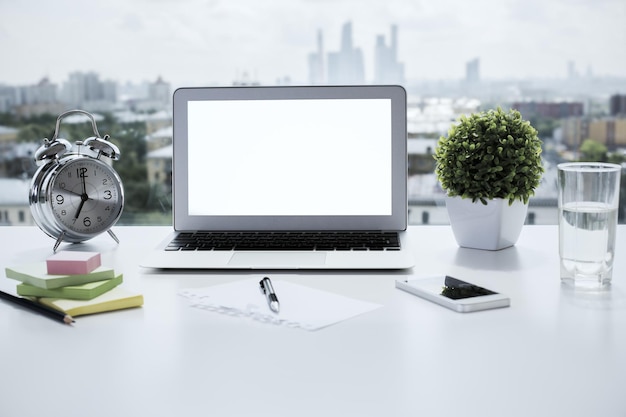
(75, 193)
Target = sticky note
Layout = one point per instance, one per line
(73, 262)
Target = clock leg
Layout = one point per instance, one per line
(113, 236)
(58, 242)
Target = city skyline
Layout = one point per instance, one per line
(204, 42)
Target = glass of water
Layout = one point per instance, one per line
(588, 203)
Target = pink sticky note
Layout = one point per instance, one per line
(72, 263)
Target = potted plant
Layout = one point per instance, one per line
(489, 165)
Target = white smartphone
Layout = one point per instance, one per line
(454, 293)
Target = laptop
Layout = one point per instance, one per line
(282, 165)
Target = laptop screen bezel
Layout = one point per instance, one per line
(183, 221)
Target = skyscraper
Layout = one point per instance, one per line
(572, 72)
(472, 71)
(346, 66)
(387, 69)
(316, 62)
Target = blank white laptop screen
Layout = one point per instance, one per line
(325, 157)
(314, 158)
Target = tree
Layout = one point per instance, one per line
(545, 126)
(593, 151)
(34, 133)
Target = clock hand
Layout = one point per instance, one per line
(80, 206)
(83, 197)
(72, 192)
(82, 179)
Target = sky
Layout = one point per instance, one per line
(202, 42)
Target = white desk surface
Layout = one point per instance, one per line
(552, 353)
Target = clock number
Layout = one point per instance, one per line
(105, 182)
(80, 172)
(60, 199)
(87, 222)
(63, 212)
(107, 194)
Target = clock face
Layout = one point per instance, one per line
(86, 196)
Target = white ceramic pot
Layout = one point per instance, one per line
(493, 226)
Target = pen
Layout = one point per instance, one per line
(38, 308)
(268, 290)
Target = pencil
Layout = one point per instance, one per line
(38, 308)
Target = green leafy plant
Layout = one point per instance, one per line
(491, 154)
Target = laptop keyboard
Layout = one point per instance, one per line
(310, 241)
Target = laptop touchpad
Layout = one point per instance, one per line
(277, 260)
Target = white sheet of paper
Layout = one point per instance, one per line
(302, 307)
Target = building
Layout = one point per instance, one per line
(42, 92)
(17, 160)
(12, 153)
(432, 117)
(610, 131)
(316, 62)
(153, 121)
(14, 209)
(617, 105)
(8, 134)
(8, 139)
(553, 110)
(88, 92)
(472, 71)
(159, 167)
(420, 155)
(346, 66)
(572, 72)
(159, 138)
(160, 91)
(574, 131)
(7, 98)
(155, 96)
(31, 100)
(472, 85)
(387, 69)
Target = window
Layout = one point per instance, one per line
(554, 61)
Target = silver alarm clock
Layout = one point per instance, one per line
(76, 194)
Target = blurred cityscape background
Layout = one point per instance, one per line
(579, 116)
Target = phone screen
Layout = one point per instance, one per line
(456, 289)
